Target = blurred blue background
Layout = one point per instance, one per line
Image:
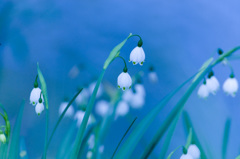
(178, 37)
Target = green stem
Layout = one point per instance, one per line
(62, 115)
(125, 68)
(225, 138)
(123, 137)
(170, 155)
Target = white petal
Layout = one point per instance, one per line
(134, 55)
(39, 108)
(35, 95)
(79, 117)
(122, 108)
(127, 95)
(186, 156)
(3, 138)
(89, 154)
(203, 91)
(91, 141)
(212, 84)
(101, 148)
(102, 108)
(140, 89)
(82, 98)
(230, 86)
(124, 80)
(92, 86)
(152, 76)
(69, 112)
(137, 101)
(194, 151)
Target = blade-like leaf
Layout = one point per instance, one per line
(45, 96)
(170, 155)
(13, 152)
(225, 138)
(189, 139)
(23, 150)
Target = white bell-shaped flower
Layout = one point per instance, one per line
(194, 151)
(39, 108)
(69, 112)
(124, 81)
(35, 95)
(101, 148)
(91, 141)
(122, 108)
(102, 108)
(82, 98)
(139, 88)
(127, 95)
(212, 84)
(137, 101)
(79, 117)
(152, 76)
(186, 156)
(137, 56)
(92, 86)
(203, 91)
(230, 86)
(3, 138)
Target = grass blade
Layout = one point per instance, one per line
(23, 150)
(170, 155)
(62, 115)
(225, 138)
(195, 140)
(13, 151)
(45, 96)
(123, 137)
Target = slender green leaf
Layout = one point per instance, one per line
(13, 152)
(123, 137)
(195, 140)
(80, 133)
(3, 150)
(225, 138)
(23, 151)
(115, 52)
(170, 155)
(238, 157)
(62, 115)
(189, 139)
(45, 96)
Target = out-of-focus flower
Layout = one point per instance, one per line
(92, 86)
(101, 148)
(194, 151)
(89, 154)
(91, 141)
(203, 91)
(137, 101)
(35, 95)
(139, 88)
(82, 98)
(230, 86)
(137, 55)
(152, 75)
(79, 115)
(186, 156)
(122, 108)
(73, 73)
(212, 84)
(3, 138)
(69, 112)
(127, 95)
(124, 81)
(102, 108)
(39, 108)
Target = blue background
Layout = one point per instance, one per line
(178, 37)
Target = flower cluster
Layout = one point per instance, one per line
(36, 98)
(192, 153)
(137, 56)
(211, 85)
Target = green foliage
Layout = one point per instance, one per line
(225, 138)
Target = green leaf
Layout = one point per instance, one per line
(62, 115)
(45, 96)
(195, 140)
(115, 52)
(23, 151)
(189, 139)
(80, 133)
(170, 155)
(238, 157)
(225, 138)
(13, 152)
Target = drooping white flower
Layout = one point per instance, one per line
(101, 148)
(137, 56)
(230, 86)
(127, 95)
(186, 156)
(122, 108)
(79, 115)
(137, 101)
(82, 98)
(91, 141)
(194, 151)
(139, 88)
(152, 76)
(212, 84)
(92, 86)
(35, 95)
(203, 91)
(102, 108)
(39, 108)
(69, 112)
(124, 81)
(3, 138)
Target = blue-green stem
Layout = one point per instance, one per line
(225, 138)
(125, 67)
(170, 155)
